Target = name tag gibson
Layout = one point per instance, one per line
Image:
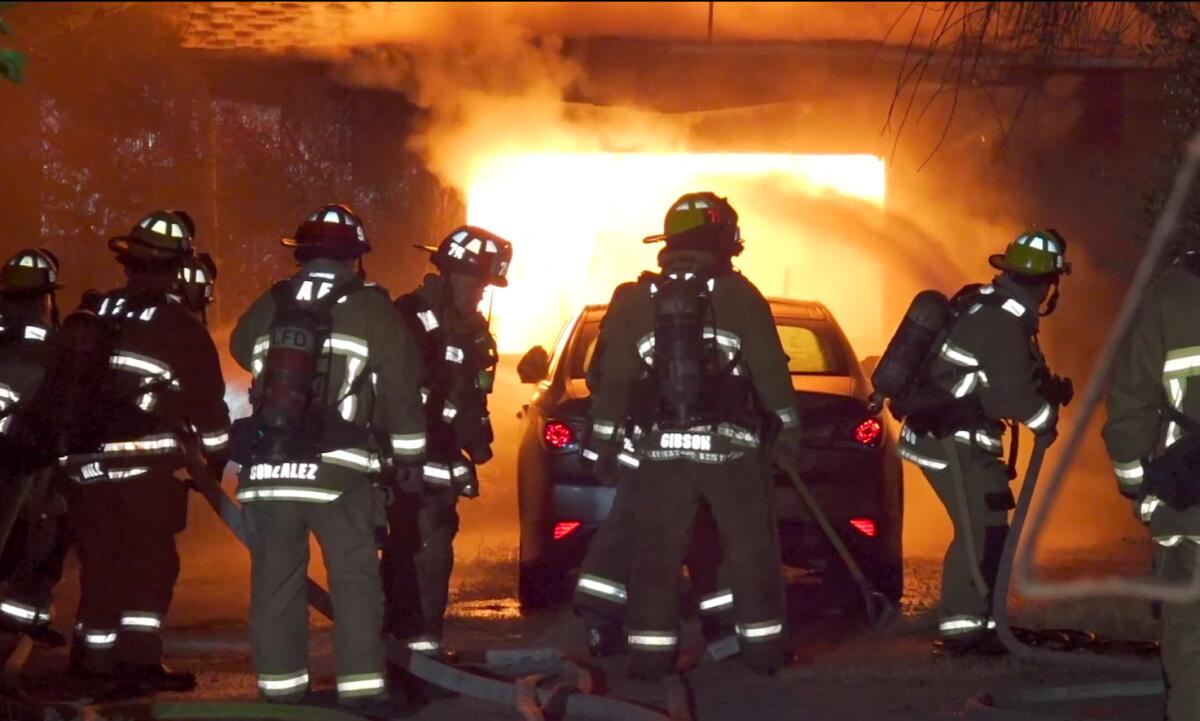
(294, 471)
(685, 442)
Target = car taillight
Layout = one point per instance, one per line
(557, 434)
(864, 526)
(867, 432)
(562, 529)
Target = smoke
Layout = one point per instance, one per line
(490, 83)
(494, 81)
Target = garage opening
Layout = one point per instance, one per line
(577, 221)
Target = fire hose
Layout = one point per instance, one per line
(999, 706)
(569, 700)
(878, 608)
(950, 445)
(1022, 564)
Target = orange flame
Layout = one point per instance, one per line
(577, 220)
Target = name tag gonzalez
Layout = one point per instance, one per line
(294, 471)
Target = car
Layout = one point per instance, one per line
(848, 460)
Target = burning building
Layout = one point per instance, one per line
(568, 127)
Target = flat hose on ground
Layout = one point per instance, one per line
(503, 693)
(574, 705)
(999, 705)
(26, 710)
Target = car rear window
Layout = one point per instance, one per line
(585, 348)
(812, 348)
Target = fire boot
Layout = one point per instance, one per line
(604, 638)
(984, 643)
(156, 677)
(382, 707)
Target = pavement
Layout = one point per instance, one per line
(841, 670)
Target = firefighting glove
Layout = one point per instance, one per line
(1047, 434)
(466, 485)
(407, 478)
(785, 451)
(606, 468)
(1173, 477)
(601, 460)
(480, 453)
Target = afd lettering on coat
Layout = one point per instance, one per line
(91, 470)
(293, 471)
(686, 442)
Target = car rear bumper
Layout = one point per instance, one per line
(802, 543)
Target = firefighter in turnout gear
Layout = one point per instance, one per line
(1152, 437)
(601, 592)
(986, 370)
(692, 385)
(32, 562)
(157, 388)
(460, 365)
(336, 407)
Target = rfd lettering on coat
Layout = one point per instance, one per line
(294, 471)
(686, 442)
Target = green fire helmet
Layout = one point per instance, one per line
(1039, 252)
(694, 210)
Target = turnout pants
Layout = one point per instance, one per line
(345, 529)
(32, 562)
(666, 495)
(418, 558)
(601, 592)
(983, 525)
(1181, 634)
(125, 532)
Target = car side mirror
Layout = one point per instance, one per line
(534, 366)
(869, 364)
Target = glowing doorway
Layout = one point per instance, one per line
(576, 221)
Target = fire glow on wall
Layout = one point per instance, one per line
(576, 221)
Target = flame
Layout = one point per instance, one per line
(576, 221)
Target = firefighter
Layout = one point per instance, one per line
(334, 393)
(460, 360)
(692, 385)
(33, 556)
(197, 284)
(161, 389)
(601, 590)
(1151, 438)
(990, 371)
